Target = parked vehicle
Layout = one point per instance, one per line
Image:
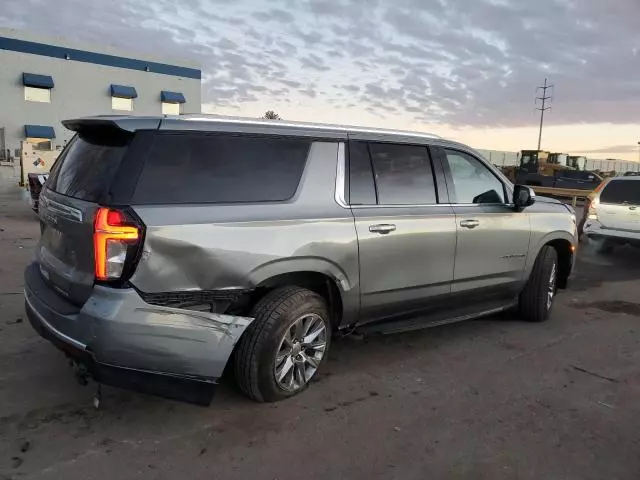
(172, 245)
(612, 213)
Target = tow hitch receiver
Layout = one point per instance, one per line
(82, 374)
(80, 371)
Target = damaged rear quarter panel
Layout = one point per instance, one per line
(213, 246)
(126, 331)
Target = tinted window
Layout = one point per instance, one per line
(221, 169)
(473, 182)
(621, 191)
(403, 174)
(86, 167)
(362, 190)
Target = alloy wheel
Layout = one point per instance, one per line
(551, 288)
(300, 352)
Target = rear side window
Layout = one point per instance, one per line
(621, 191)
(403, 174)
(87, 166)
(221, 169)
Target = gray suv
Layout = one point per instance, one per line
(174, 247)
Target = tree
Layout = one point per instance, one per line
(271, 115)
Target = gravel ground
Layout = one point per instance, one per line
(489, 399)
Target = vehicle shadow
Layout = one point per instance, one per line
(623, 264)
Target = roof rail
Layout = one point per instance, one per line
(203, 117)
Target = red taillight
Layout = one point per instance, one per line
(112, 237)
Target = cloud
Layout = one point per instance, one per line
(464, 62)
(275, 15)
(314, 62)
(612, 149)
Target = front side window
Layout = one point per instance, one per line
(122, 104)
(473, 182)
(403, 174)
(33, 94)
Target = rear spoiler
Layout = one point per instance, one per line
(124, 123)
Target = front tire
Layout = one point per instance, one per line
(536, 300)
(284, 346)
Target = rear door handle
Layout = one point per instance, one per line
(382, 228)
(469, 223)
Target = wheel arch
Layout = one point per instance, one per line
(564, 250)
(327, 279)
(318, 282)
(563, 243)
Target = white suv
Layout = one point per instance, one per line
(612, 213)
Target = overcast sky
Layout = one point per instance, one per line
(465, 68)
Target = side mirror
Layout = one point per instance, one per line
(523, 197)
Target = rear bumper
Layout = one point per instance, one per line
(124, 342)
(594, 230)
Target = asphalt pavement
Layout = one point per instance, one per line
(487, 399)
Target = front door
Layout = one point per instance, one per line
(406, 239)
(493, 239)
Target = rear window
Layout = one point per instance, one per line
(86, 167)
(221, 169)
(621, 191)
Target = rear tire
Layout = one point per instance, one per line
(273, 340)
(536, 300)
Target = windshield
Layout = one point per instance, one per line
(621, 192)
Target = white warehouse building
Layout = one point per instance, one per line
(44, 81)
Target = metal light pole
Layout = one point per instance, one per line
(638, 151)
(543, 108)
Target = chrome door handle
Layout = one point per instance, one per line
(382, 228)
(469, 223)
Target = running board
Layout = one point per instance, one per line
(418, 323)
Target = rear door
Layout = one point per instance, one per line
(79, 182)
(620, 205)
(406, 238)
(493, 239)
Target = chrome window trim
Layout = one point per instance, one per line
(436, 205)
(340, 177)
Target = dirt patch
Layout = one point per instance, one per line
(612, 306)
